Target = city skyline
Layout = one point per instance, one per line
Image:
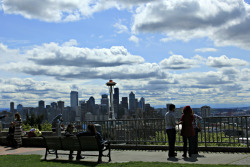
(182, 52)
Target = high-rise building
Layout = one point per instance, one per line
(12, 107)
(104, 104)
(74, 104)
(54, 105)
(124, 102)
(141, 104)
(60, 105)
(132, 103)
(205, 111)
(73, 99)
(19, 108)
(41, 104)
(91, 105)
(116, 101)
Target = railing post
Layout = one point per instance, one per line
(247, 132)
(205, 135)
(136, 133)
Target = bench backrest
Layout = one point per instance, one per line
(88, 143)
(53, 142)
(70, 143)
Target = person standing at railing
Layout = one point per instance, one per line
(187, 130)
(18, 130)
(170, 129)
(197, 128)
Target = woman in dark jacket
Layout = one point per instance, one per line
(187, 130)
(91, 131)
(10, 136)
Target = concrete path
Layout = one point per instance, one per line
(146, 156)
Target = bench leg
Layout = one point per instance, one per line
(109, 154)
(100, 156)
(56, 154)
(45, 156)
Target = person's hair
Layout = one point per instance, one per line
(91, 128)
(12, 123)
(70, 128)
(187, 110)
(171, 107)
(17, 116)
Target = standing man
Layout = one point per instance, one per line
(197, 128)
(170, 129)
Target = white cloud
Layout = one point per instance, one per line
(224, 61)
(8, 55)
(224, 22)
(121, 28)
(134, 39)
(206, 50)
(178, 62)
(49, 10)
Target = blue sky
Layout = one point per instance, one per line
(185, 52)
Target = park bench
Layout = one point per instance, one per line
(73, 143)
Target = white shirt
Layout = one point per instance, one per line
(170, 120)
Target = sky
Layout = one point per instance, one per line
(185, 52)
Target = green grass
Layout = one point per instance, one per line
(35, 161)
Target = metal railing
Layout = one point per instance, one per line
(216, 131)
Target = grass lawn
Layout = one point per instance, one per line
(35, 161)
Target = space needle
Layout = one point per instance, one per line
(111, 84)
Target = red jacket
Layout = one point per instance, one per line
(187, 126)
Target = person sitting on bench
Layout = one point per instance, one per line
(69, 132)
(91, 131)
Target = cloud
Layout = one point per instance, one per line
(8, 54)
(53, 54)
(178, 62)
(121, 28)
(224, 61)
(224, 22)
(134, 39)
(49, 10)
(206, 50)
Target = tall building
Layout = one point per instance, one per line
(104, 104)
(60, 105)
(12, 110)
(74, 104)
(91, 105)
(205, 111)
(19, 108)
(132, 103)
(54, 105)
(41, 104)
(116, 101)
(141, 104)
(73, 99)
(124, 102)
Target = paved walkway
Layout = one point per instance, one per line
(147, 156)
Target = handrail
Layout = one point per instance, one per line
(217, 130)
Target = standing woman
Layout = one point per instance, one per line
(187, 130)
(18, 130)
